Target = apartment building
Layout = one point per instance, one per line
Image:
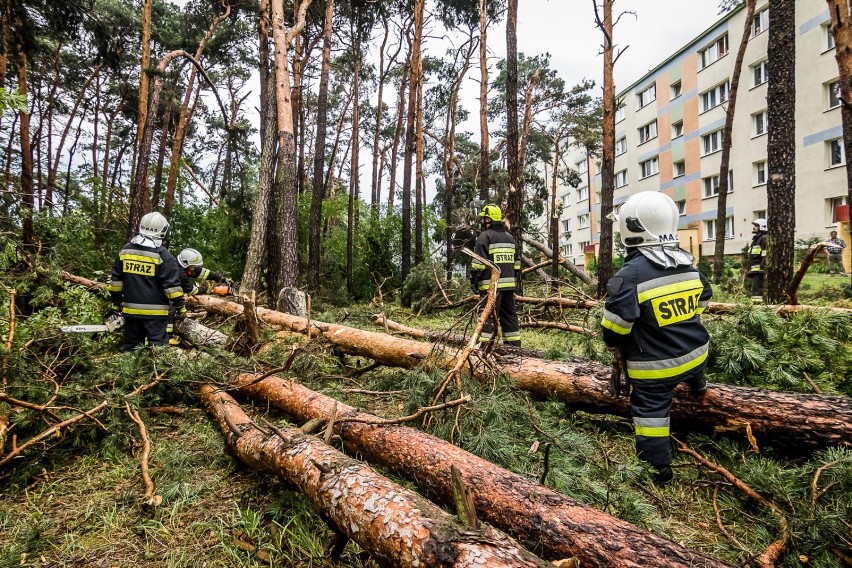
(669, 138)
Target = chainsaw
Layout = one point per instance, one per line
(224, 289)
(113, 320)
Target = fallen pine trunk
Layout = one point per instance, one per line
(570, 267)
(538, 516)
(390, 522)
(797, 422)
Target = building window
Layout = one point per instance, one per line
(711, 142)
(714, 51)
(566, 225)
(829, 37)
(835, 153)
(760, 23)
(583, 245)
(760, 172)
(566, 200)
(620, 114)
(649, 167)
(582, 194)
(832, 91)
(677, 129)
(711, 184)
(679, 168)
(759, 214)
(568, 249)
(584, 220)
(714, 97)
(677, 89)
(583, 166)
(681, 207)
(758, 121)
(710, 229)
(647, 96)
(648, 132)
(759, 73)
(833, 204)
(621, 146)
(621, 178)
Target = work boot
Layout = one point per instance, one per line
(698, 386)
(662, 474)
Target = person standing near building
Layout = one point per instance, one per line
(498, 246)
(651, 321)
(145, 285)
(834, 253)
(756, 263)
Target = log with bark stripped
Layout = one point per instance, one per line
(390, 522)
(797, 422)
(544, 520)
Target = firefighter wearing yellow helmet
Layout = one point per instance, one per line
(498, 246)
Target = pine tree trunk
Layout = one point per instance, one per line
(376, 173)
(513, 166)
(795, 422)
(484, 151)
(318, 191)
(841, 29)
(781, 149)
(354, 173)
(605, 270)
(144, 79)
(165, 131)
(27, 189)
(419, 179)
(569, 266)
(547, 522)
(401, 113)
(554, 218)
(390, 522)
(722, 199)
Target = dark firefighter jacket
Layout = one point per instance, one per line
(651, 315)
(145, 281)
(498, 246)
(757, 254)
(195, 281)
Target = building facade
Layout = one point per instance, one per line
(669, 138)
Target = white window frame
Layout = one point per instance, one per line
(647, 132)
(759, 214)
(621, 179)
(649, 167)
(647, 96)
(582, 194)
(836, 154)
(711, 142)
(681, 207)
(583, 221)
(679, 168)
(760, 22)
(833, 203)
(759, 73)
(621, 146)
(759, 124)
(715, 51)
(829, 37)
(677, 129)
(583, 166)
(583, 245)
(676, 89)
(710, 228)
(716, 96)
(566, 225)
(566, 200)
(710, 185)
(832, 94)
(620, 114)
(760, 173)
(568, 249)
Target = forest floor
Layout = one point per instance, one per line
(81, 506)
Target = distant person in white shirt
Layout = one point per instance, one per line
(834, 253)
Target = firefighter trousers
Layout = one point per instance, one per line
(144, 332)
(650, 407)
(504, 309)
(755, 285)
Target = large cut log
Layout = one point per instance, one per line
(389, 521)
(798, 422)
(541, 518)
(570, 267)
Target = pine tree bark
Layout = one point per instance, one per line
(144, 79)
(27, 187)
(318, 191)
(354, 172)
(796, 422)
(401, 113)
(554, 216)
(515, 197)
(544, 520)
(484, 150)
(161, 155)
(605, 270)
(419, 179)
(390, 522)
(724, 166)
(569, 266)
(781, 149)
(841, 29)
(376, 173)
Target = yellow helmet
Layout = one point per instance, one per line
(491, 211)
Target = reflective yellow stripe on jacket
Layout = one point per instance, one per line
(668, 368)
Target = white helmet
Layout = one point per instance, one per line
(154, 226)
(190, 257)
(761, 224)
(648, 218)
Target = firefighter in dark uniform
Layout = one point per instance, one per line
(145, 284)
(651, 318)
(194, 278)
(498, 246)
(756, 264)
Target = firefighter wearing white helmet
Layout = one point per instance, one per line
(145, 284)
(756, 263)
(651, 319)
(194, 277)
